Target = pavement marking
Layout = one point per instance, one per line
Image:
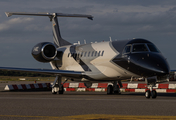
(93, 117)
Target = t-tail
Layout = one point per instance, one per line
(58, 41)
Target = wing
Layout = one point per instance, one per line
(64, 73)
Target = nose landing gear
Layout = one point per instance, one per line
(152, 93)
(151, 82)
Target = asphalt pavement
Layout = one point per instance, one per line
(20, 105)
(44, 105)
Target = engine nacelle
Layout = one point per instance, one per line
(44, 52)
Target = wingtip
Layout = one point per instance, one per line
(90, 18)
(8, 14)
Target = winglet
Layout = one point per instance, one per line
(91, 18)
(8, 14)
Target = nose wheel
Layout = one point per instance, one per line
(151, 82)
(147, 94)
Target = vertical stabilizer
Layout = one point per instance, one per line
(55, 25)
(58, 41)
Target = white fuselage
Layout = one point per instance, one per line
(96, 57)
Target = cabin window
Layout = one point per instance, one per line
(152, 48)
(99, 53)
(69, 54)
(92, 53)
(95, 53)
(127, 49)
(88, 54)
(139, 48)
(102, 53)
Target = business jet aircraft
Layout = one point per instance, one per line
(110, 61)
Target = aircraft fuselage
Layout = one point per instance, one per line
(113, 60)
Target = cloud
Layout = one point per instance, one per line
(133, 2)
(3, 27)
(14, 21)
(153, 20)
(19, 20)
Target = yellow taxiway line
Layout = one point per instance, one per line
(92, 117)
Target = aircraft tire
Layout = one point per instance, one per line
(54, 92)
(109, 89)
(147, 94)
(117, 91)
(154, 94)
(61, 91)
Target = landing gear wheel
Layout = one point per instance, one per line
(109, 89)
(54, 92)
(147, 94)
(154, 94)
(117, 91)
(61, 91)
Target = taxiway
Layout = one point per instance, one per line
(42, 104)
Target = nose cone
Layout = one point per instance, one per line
(152, 64)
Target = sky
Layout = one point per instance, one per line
(118, 19)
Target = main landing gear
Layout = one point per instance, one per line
(114, 88)
(151, 82)
(58, 85)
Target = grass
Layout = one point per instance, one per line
(17, 78)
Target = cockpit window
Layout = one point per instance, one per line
(127, 49)
(152, 48)
(139, 48)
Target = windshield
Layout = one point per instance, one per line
(139, 48)
(127, 49)
(152, 48)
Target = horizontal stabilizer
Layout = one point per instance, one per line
(8, 14)
(64, 73)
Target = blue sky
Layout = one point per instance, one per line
(152, 20)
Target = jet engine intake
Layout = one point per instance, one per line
(44, 52)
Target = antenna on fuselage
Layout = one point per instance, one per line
(58, 41)
(78, 43)
(110, 39)
(84, 41)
